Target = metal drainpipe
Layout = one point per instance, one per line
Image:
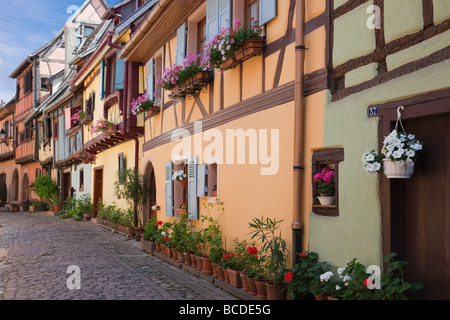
(299, 167)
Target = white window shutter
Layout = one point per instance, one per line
(224, 14)
(212, 19)
(267, 11)
(169, 188)
(201, 180)
(151, 78)
(192, 188)
(181, 44)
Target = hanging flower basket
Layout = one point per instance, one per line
(397, 169)
(399, 153)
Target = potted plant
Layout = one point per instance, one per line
(45, 188)
(233, 45)
(85, 157)
(398, 156)
(325, 186)
(144, 104)
(301, 277)
(274, 248)
(102, 125)
(148, 238)
(14, 207)
(214, 191)
(25, 205)
(180, 230)
(180, 176)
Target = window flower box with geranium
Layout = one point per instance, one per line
(144, 104)
(325, 186)
(102, 125)
(185, 79)
(85, 157)
(233, 46)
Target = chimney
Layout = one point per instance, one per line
(70, 43)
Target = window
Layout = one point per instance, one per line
(322, 161)
(38, 172)
(81, 188)
(55, 129)
(201, 37)
(176, 194)
(252, 9)
(82, 33)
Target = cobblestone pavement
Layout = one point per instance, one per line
(36, 251)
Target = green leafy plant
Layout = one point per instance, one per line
(304, 276)
(180, 231)
(130, 185)
(393, 285)
(273, 247)
(151, 229)
(45, 188)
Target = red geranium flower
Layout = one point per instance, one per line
(288, 276)
(159, 223)
(228, 255)
(302, 255)
(252, 250)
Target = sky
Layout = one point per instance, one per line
(25, 26)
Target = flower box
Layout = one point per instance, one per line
(152, 111)
(87, 118)
(249, 49)
(192, 85)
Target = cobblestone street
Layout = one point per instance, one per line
(36, 251)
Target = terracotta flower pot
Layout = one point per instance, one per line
(235, 278)
(214, 267)
(193, 260)
(226, 275)
(251, 286)
(220, 273)
(199, 263)
(261, 290)
(174, 253)
(207, 266)
(244, 279)
(158, 247)
(321, 297)
(183, 183)
(275, 292)
(180, 257)
(187, 258)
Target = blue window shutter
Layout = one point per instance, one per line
(267, 11)
(212, 19)
(151, 78)
(169, 188)
(181, 44)
(201, 180)
(102, 79)
(192, 188)
(120, 72)
(224, 14)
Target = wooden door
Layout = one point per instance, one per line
(420, 210)
(67, 184)
(98, 189)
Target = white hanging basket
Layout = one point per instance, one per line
(397, 169)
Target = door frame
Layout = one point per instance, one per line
(97, 190)
(422, 106)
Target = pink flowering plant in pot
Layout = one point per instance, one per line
(325, 182)
(179, 74)
(223, 46)
(85, 157)
(142, 104)
(101, 126)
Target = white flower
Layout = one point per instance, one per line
(163, 233)
(376, 166)
(397, 154)
(338, 288)
(340, 271)
(410, 153)
(326, 276)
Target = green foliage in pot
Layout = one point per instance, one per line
(45, 188)
(304, 275)
(130, 185)
(150, 229)
(212, 234)
(76, 208)
(273, 247)
(180, 231)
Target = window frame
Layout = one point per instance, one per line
(322, 158)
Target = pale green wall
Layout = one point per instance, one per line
(356, 233)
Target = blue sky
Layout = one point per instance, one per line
(25, 26)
